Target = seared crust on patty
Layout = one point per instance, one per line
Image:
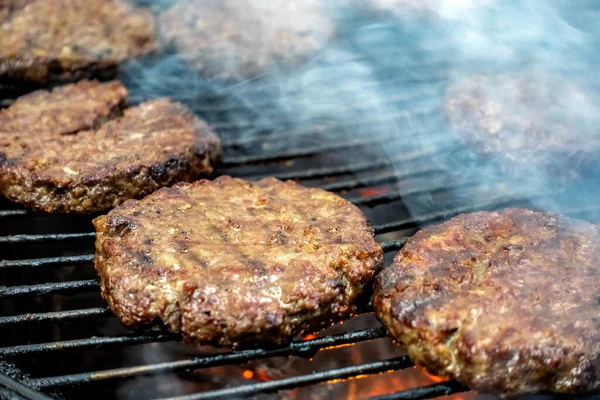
(234, 263)
(240, 39)
(503, 302)
(530, 123)
(70, 39)
(59, 152)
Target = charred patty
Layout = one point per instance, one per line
(44, 40)
(234, 263)
(529, 123)
(233, 40)
(77, 150)
(504, 302)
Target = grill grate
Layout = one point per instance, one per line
(379, 185)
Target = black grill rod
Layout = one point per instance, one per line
(312, 173)
(428, 88)
(93, 284)
(85, 344)
(39, 262)
(43, 237)
(55, 316)
(426, 392)
(414, 222)
(21, 390)
(422, 112)
(41, 289)
(307, 151)
(14, 213)
(301, 381)
(299, 348)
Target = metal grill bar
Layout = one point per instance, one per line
(40, 262)
(85, 344)
(49, 288)
(426, 392)
(237, 125)
(13, 213)
(46, 237)
(55, 316)
(297, 348)
(304, 380)
(443, 215)
(307, 151)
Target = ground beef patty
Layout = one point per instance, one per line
(530, 123)
(71, 150)
(232, 39)
(234, 263)
(68, 39)
(504, 302)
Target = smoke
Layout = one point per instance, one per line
(383, 74)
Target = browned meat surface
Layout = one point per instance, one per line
(71, 150)
(233, 39)
(234, 263)
(503, 302)
(530, 123)
(44, 40)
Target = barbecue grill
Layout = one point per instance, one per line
(59, 339)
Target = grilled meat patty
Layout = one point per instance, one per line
(76, 150)
(234, 263)
(44, 40)
(234, 40)
(503, 302)
(530, 123)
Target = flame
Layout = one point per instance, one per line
(309, 337)
(248, 374)
(434, 378)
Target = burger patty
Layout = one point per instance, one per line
(234, 40)
(76, 150)
(530, 123)
(43, 40)
(503, 302)
(234, 263)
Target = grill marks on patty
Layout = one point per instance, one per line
(77, 149)
(503, 302)
(234, 263)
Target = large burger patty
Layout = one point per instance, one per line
(233, 39)
(76, 150)
(234, 263)
(530, 123)
(504, 302)
(68, 39)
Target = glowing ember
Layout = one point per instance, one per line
(248, 374)
(373, 191)
(309, 337)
